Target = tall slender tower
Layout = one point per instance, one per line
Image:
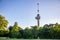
(38, 16)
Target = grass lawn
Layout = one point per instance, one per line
(4, 38)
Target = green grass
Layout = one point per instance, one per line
(4, 38)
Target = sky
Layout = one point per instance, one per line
(25, 11)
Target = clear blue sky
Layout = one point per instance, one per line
(25, 11)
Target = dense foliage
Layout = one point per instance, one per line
(3, 26)
(48, 31)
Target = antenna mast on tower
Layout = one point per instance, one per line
(38, 8)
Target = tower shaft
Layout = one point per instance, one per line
(38, 23)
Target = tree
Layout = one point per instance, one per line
(35, 31)
(10, 29)
(15, 30)
(27, 33)
(56, 31)
(46, 29)
(3, 26)
(3, 21)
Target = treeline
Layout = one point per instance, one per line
(48, 31)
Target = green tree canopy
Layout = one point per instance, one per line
(3, 25)
(15, 30)
(3, 21)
